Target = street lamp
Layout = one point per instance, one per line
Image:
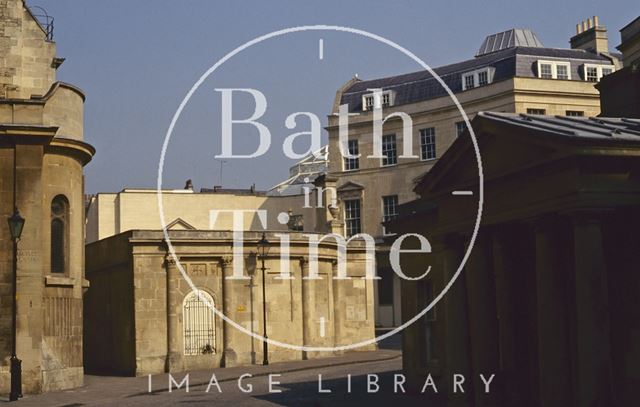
(16, 223)
(263, 251)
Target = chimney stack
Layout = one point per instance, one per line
(590, 36)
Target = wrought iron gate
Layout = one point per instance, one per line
(199, 324)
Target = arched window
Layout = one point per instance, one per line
(59, 234)
(199, 324)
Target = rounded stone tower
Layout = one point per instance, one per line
(42, 155)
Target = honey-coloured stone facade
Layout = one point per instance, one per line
(41, 143)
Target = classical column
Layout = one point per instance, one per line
(503, 267)
(306, 312)
(173, 304)
(334, 321)
(554, 362)
(456, 323)
(483, 322)
(593, 356)
(228, 355)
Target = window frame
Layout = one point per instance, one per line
(554, 69)
(395, 150)
(475, 75)
(432, 135)
(346, 160)
(598, 68)
(543, 111)
(347, 212)
(386, 217)
(574, 113)
(64, 219)
(381, 103)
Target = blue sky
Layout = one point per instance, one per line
(136, 60)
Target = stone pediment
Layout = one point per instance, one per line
(179, 224)
(350, 186)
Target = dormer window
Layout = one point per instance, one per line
(386, 99)
(469, 82)
(554, 70)
(479, 77)
(369, 102)
(593, 73)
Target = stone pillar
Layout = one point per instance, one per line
(173, 360)
(593, 356)
(31, 261)
(483, 322)
(336, 226)
(456, 323)
(553, 340)
(229, 357)
(328, 209)
(503, 266)
(306, 311)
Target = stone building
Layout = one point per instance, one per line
(133, 208)
(511, 72)
(155, 321)
(156, 324)
(547, 300)
(42, 148)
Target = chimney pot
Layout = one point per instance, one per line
(591, 36)
(578, 28)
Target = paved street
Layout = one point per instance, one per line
(299, 385)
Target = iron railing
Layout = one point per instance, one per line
(45, 20)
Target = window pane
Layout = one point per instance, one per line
(483, 78)
(59, 233)
(468, 81)
(386, 99)
(460, 128)
(368, 102)
(352, 216)
(352, 163)
(428, 143)
(57, 246)
(562, 72)
(389, 150)
(390, 207)
(592, 74)
(545, 71)
(575, 113)
(606, 71)
(536, 111)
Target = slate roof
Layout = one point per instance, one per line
(516, 61)
(596, 128)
